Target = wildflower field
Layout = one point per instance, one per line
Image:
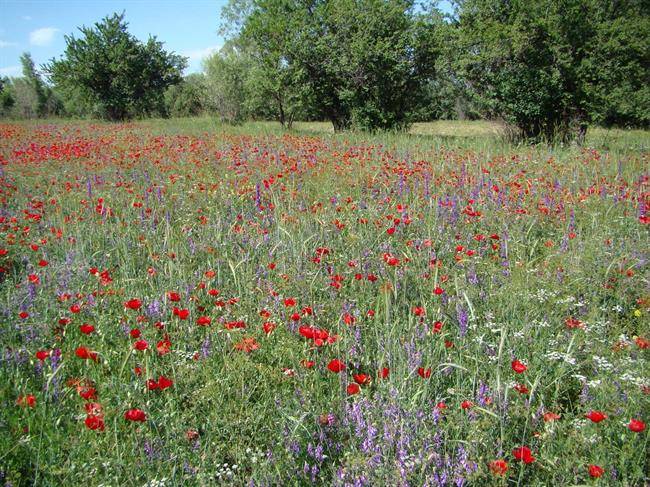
(240, 306)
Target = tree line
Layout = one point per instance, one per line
(546, 68)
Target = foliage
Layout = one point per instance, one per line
(227, 71)
(187, 98)
(359, 63)
(111, 70)
(539, 64)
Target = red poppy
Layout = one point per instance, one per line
(88, 393)
(549, 416)
(75, 308)
(181, 313)
(163, 346)
(498, 467)
(383, 373)
(94, 422)
(135, 415)
(418, 311)
(424, 373)
(361, 379)
(204, 321)
(141, 345)
(523, 454)
(518, 367)
(353, 389)
(437, 327)
(521, 389)
(28, 400)
(86, 329)
(438, 291)
(636, 425)
(336, 366)
(133, 304)
(135, 333)
(42, 354)
(595, 416)
(466, 405)
(289, 302)
(23, 315)
(268, 327)
(85, 354)
(595, 471)
(173, 296)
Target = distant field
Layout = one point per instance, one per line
(187, 303)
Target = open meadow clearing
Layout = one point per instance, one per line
(187, 304)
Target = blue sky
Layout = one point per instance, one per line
(187, 27)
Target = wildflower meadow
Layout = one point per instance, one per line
(187, 304)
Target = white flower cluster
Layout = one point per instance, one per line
(602, 363)
(254, 455)
(559, 356)
(226, 471)
(157, 483)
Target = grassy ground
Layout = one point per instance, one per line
(183, 303)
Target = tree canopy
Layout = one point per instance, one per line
(119, 76)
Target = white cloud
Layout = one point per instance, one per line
(42, 37)
(200, 54)
(11, 71)
(27, 17)
(7, 44)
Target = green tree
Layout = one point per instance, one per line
(361, 63)
(115, 73)
(188, 98)
(550, 67)
(36, 84)
(7, 99)
(227, 71)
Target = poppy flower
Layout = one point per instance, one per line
(424, 373)
(75, 308)
(523, 454)
(247, 345)
(135, 333)
(181, 313)
(268, 327)
(595, 471)
(94, 422)
(418, 311)
(336, 366)
(466, 404)
(86, 329)
(204, 321)
(42, 354)
(437, 327)
(85, 354)
(133, 304)
(135, 415)
(595, 416)
(438, 291)
(498, 467)
(141, 345)
(23, 315)
(361, 379)
(163, 346)
(88, 393)
(383, 373)
(28, 400)
(636, 425)
(549, 416)
(518, 367)
(173, 296)
(289, 302)
(521, 389)
(353, 389)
